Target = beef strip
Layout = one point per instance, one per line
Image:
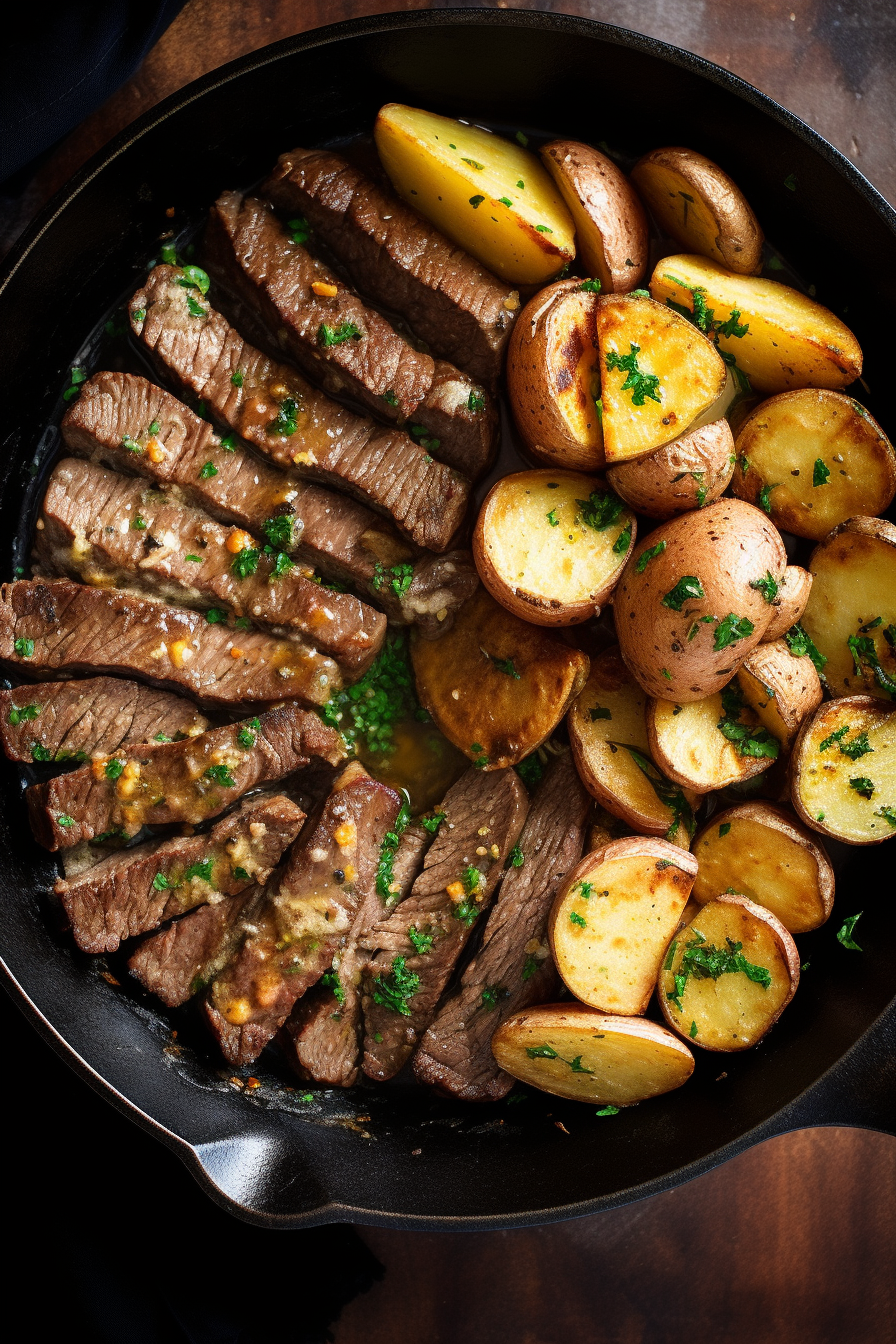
(513, 968)
(60, 626)
(186, 781)
(107, 529)
(179, 961)
(304, 917)
(73, 720)
(281, 415)
(484, 816)
(140, 888)
(398, 259)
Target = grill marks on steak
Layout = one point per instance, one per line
(398, 259)
(61, 626)
(482, 810)
(304, 916)
(140, 888)
(513, 964)
(104, 528)
(179, 961)
(72, 720)
(187, 781)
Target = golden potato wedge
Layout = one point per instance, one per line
(790, 341)
(851, 612)
(812, 459)
(608, 735)
(686, 474)
(689, 746)
(613, 917)
(781, 689)
(658, 375)
(843, 772)
(496, 686)
(729, 975)
(576, 1052)
(790, 602)
(550, 545)
(611, 227)
(490, 195)
(687, 613)
(696, 202)
(762, 852)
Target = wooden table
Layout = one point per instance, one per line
(793, 1241)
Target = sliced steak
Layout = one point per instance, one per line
(513, 967)
(112, 530)
(60, 626)
(398, 259)
(484, 814)
(187, 781)
(140, 888)
(73, 720)
(181, 960)
(304, 917)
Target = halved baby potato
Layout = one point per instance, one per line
(696, 202)
(613, 917)
(611, 226)
(658, 375)
(550, 545)
(688, 745)
(490, 195)
(781, 689)
(844, 770)
(790, 603)
(728, 976)
(686, 474)
(762, 852)
(790, 341)
(576, 1052)
(813, 458)
(495, 685)
(608, 734)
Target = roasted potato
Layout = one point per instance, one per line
(688, 743)
(603, 827)
(613, 917)
(608, 733)
(692, 199)
(780, 338)
(688, 609)
(551, 545)
(490, 195)
(611, 226)
(496, 686)
(686, 474)
(781, 689)
(575, 1052)
(843, 772)
(851, 612)
(812, 459)
(728, 976)
(553, 377)
(762, 852)
(658, 375)
(789, 603)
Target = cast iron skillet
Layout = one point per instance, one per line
(394, 1156)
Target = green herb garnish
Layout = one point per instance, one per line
(731, 629)
(644, 560)
(768, 586)
(686, 589)
(248, 733)
(24, 647)
(801, 645)
(221, 775)
(203, 870)
(24, 715)
(329, 336)
(208, 471)
(286, 422)
(548, 1052)
(863, 786)
(330, 980)
(844, 934)
(394, 990)
(245, 562)
(385, 876)
(421, 942)
(705, 961)
(820, 473)
(640, 384)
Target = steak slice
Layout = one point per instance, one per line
(304, 917)
(111, 530)
(277, 411)
(60, 626)
(484, 816)
(513, 968)
(398, 259)
(73, 720)
(187, 781)
(140, 888)
(179, 961)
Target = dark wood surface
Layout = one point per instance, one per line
(793, 1241)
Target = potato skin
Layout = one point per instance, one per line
(664, 485)
(795, 685)
(726, 546)
(688, 748)
(793, 594)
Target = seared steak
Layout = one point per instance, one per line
(107, 529)
(277, 411)
(484, 814)
(395, 257)
(179, 961)
(304, 916)
(513, 967)
(186, 781)
(140, 888)
(60, 626)
(73, 720)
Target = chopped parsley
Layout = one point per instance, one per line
(530, 966)
(589, 286)
(208, 471)
(790, 182)
(864, 654)
(888, 814)
(245, 562)
(607, 1110)
(480, 760)
(476, 201)
(768, 586)
(801, 646)
(863, 786)
(394, 990)
(669, 794)
(389, 397)
(765, 493)
(705, 320)
(194, 277)
(329, 336)
(433, 823)
(236, 378)
(330, 979)
(220, 774)
(731, 629)
(472, 163)
(138, 524)
(644, 560)
(278, 530)
(203, 870)
(241, 875)
(299, 230)
(248, 734)
(194, 307)
(286, 422)
(599, 712)
(600, 510)
(621, 543)
(522, 139)
(543, 228)
(820, 473)
(516, 858)
(640, 384)
(23, 715)
(24, 647)
(577, 919)
(194, 559)
(552, 518)
(859, 746)
(40, 752)
(215, 615)
(229, 443)
(65, 820)
(113, 769)
(845, 932)
(385, 876)
(161, 883)
(548, 1052)
(402, 576)
(78, 376)
(367, 712)
(421, 942)
(476, 402)
(530, 770)
(705, 961)
(504, 665)
(687, 588)
(749, 739)
(724, 828)
(491, 994)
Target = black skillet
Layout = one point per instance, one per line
(394, 1155)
